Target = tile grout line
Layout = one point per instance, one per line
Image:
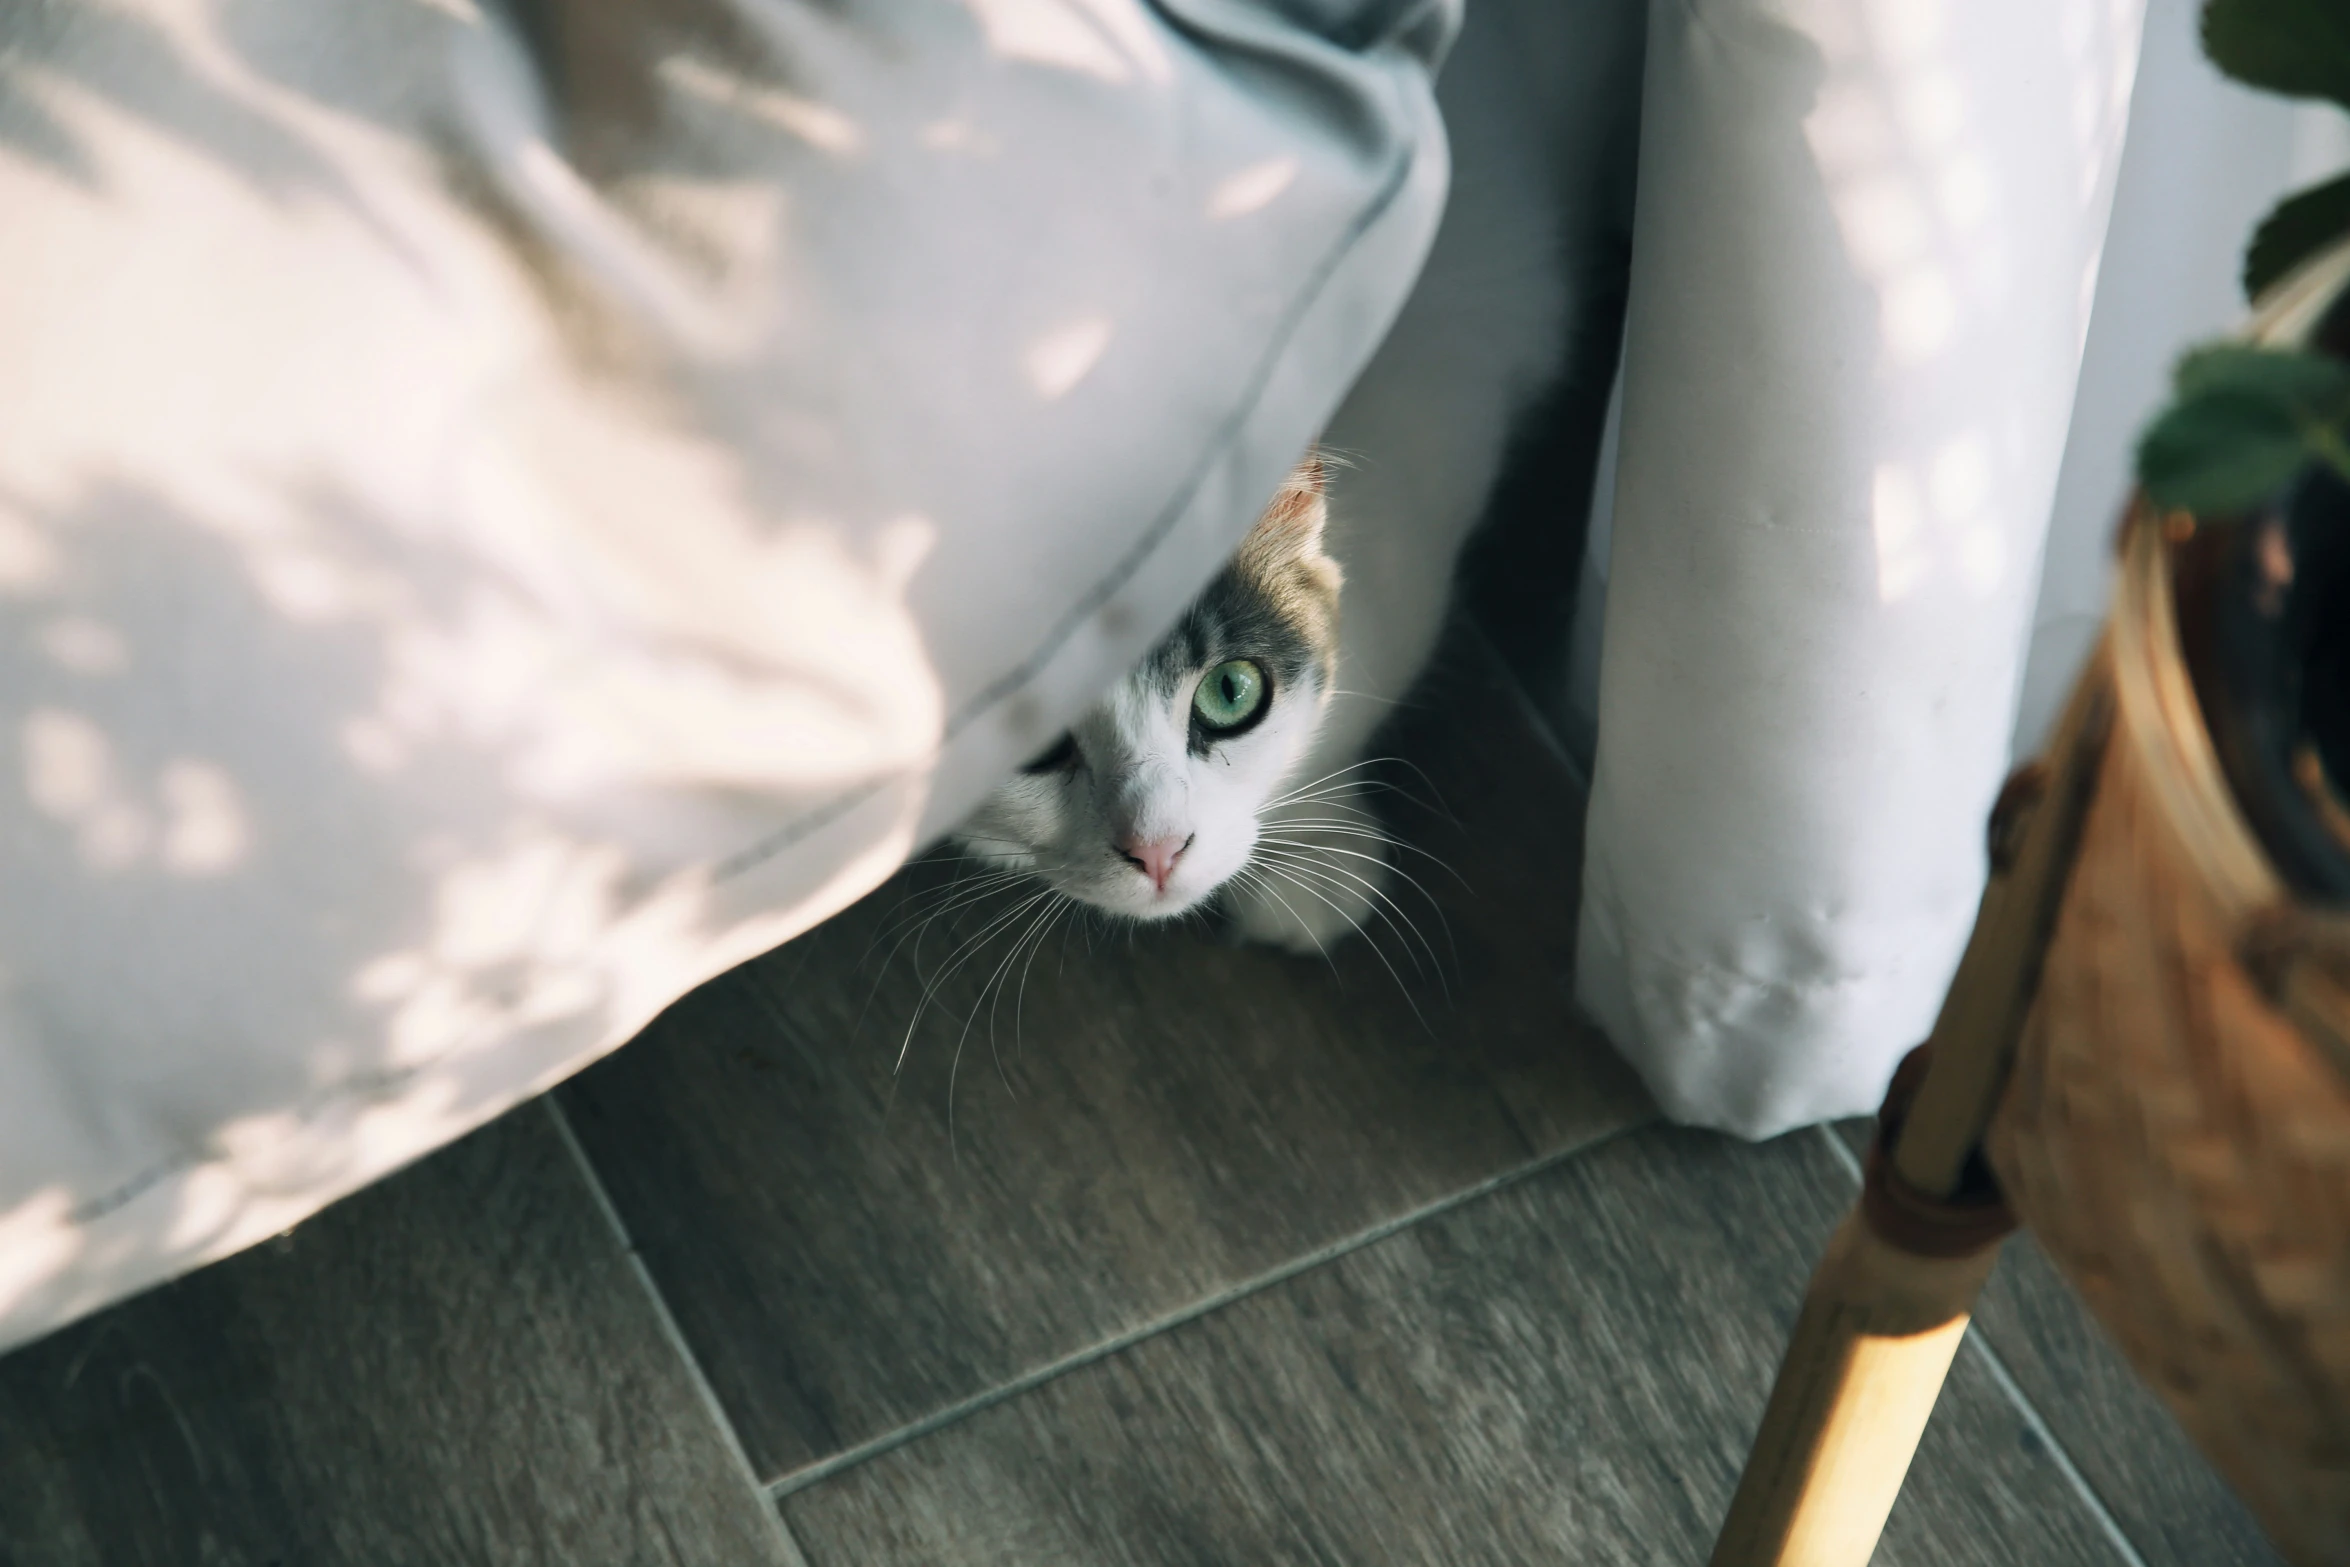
(1979, 1340)
(1305, 1262)
(2121, 1542)
(673, 1333)
(1537, 720)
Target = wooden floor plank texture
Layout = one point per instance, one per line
(1209, 1256)
(1170, 1117)
(2165, 1498)
(1567, 1370)
(2162, 1493)
(457, 1366)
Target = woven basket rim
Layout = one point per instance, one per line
(2162, 718)
(2161, 714)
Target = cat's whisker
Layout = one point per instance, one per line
(1286, 874)
(991, 986)
(1020, 997)
(1329, 877)
(921, 899)
(1330, 786)
(955, 903)
(1311, 847)
(931, 984)
(1353, 796)
(1339, 877)
(988, 862)
(1348, 827)
(921, 931)
(1307, 791)
(1376, 834)
(1370, 885)
(1316, 783)
(914, 927)
(955, 1061)
(1030, 939)
(1368, 882)
(969, 948)
(946, 902)
(1258, 878)
(1351, 827)
(955, 960)
(1337, 781)
(955, 895)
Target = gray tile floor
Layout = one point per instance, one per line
(1210, 1257)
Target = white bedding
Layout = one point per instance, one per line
(498, 525)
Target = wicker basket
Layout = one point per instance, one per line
(2176, 1128)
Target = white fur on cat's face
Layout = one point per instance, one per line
(1151, 801)
(1138, 782)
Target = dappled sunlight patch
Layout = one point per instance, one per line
(28, 561)
(499, 779)
(1898, 517)
(817, 124)
(205, 830)
(39, 1240)
(1106, 39)
(1252, 189)
(68, 764)
(71, 775)
(373, 744)
(1066, 355)
(959, 136)
(841, 690)
(84, 645)
(1888, 131)
(1908, 133)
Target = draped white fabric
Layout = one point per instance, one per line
(506, 513)
(1866, 247)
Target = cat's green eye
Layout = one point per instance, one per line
(1229, 696)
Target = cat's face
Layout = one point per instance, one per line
(1149, 803)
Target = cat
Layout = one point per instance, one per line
(1225, 767)
(1150, 803)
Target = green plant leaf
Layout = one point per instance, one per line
(2301, 384)
(2243, 422)
(2297, 47)
(2219, 455)
(2299, 228)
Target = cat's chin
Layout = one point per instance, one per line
(1142, 908)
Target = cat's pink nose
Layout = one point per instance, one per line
(1154, 857)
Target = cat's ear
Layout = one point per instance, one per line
(1293, 521)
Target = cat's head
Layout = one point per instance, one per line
(1149, 802)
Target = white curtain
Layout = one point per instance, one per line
(1865, 249)
(1848, 576)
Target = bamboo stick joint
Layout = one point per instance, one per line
(1972, 1219)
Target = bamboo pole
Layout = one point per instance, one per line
(1891, 1298)
(1876, 1337)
